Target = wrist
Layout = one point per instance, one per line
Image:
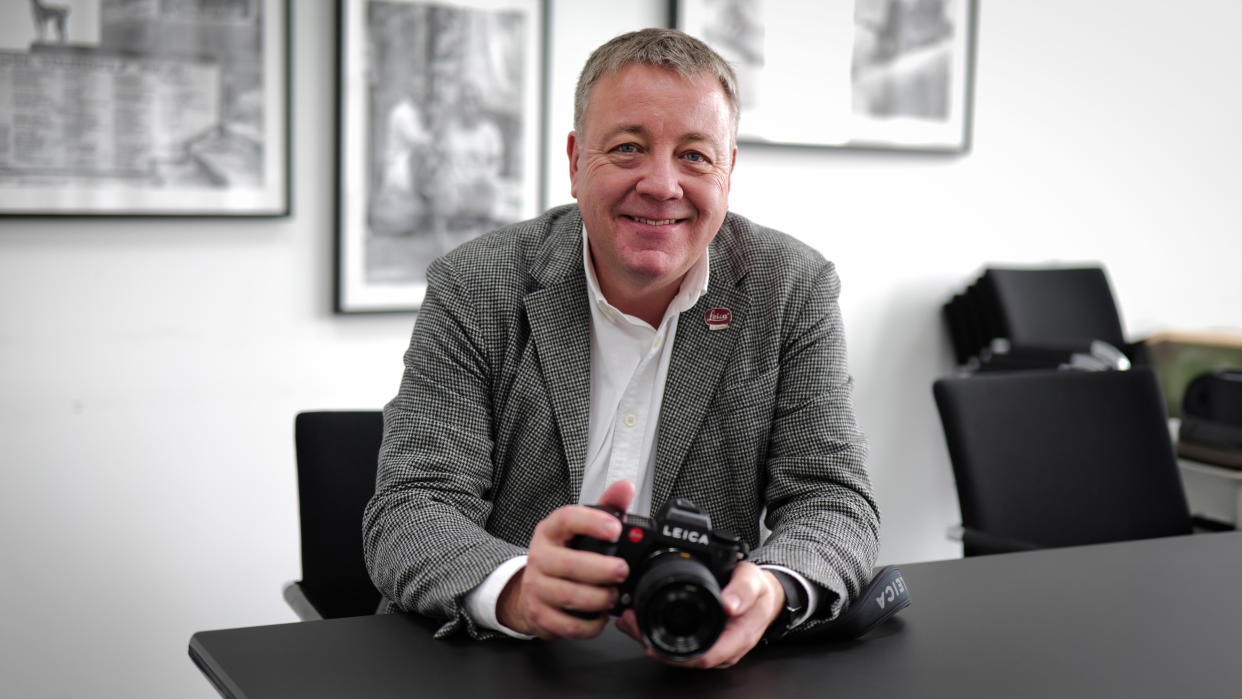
(791, 607)
(509, 605)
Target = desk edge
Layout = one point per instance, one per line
(214, 673)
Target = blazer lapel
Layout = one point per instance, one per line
(560, 327)
(696, 368)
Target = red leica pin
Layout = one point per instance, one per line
(718, 318)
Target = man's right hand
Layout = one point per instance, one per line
(557, 579)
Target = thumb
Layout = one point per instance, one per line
(619, 495)
(749, 581)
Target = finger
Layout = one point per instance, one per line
(523, 607)
(733, 644)
(567, 595)
(550, 622)
(627, 623)
(752, 598)
(573, 520)
(618, 495)
(577, 566)
(730, 648)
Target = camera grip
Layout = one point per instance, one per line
(583, 542)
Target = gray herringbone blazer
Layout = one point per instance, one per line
(488, 432)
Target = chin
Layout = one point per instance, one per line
(648, 272)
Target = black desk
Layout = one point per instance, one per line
(1155, 618)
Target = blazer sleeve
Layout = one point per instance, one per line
(424, 534)
(820, 507)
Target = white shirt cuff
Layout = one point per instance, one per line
(481, 601)
(812, 592)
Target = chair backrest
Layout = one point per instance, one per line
(337, 452)
(1052, 305)
(1063, 458)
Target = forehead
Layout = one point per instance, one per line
(644, 96)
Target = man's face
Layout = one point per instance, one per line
(651, 170)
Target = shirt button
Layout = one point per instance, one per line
(630, 419)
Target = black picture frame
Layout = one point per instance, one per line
(145, 109)
(871, 74)
(440, 136)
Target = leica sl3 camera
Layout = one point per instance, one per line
(678, 565)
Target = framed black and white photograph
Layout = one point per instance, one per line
(144, 107)
(440, 136)
(888, 74)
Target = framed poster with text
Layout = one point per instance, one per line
(144, 107)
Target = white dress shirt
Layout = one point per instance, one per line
(629, 363)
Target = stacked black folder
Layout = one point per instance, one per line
(1011, 319)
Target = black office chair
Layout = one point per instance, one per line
(337, 453)
(1038, 318)
(1049, 458)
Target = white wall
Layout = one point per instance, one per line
(150, 369)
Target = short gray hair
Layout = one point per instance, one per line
(662, 48)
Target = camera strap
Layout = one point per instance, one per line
(883, 597)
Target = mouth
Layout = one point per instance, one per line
(653, 221)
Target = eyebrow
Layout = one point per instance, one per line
(638, 130)
(634, 129)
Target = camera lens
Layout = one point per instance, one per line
(677, 605)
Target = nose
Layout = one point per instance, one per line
(659, 179)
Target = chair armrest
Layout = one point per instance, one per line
(1050, 351)
(297, 600)
(1095, 355)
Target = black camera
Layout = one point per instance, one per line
(678, 565)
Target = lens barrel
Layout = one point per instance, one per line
(677, 605)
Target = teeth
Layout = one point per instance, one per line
(653, 222)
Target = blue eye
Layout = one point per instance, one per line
(626, 148)
(696, 157)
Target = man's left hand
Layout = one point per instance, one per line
(752, 599)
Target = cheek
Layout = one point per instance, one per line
(710, 193)
(607, 188)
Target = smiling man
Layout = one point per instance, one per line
(650, 165)
(643, 346)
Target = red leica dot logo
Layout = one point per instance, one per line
(718, 318)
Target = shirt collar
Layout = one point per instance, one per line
(693, 285)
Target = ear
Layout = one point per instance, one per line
(571, 148)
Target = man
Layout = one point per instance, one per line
(643, 345)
